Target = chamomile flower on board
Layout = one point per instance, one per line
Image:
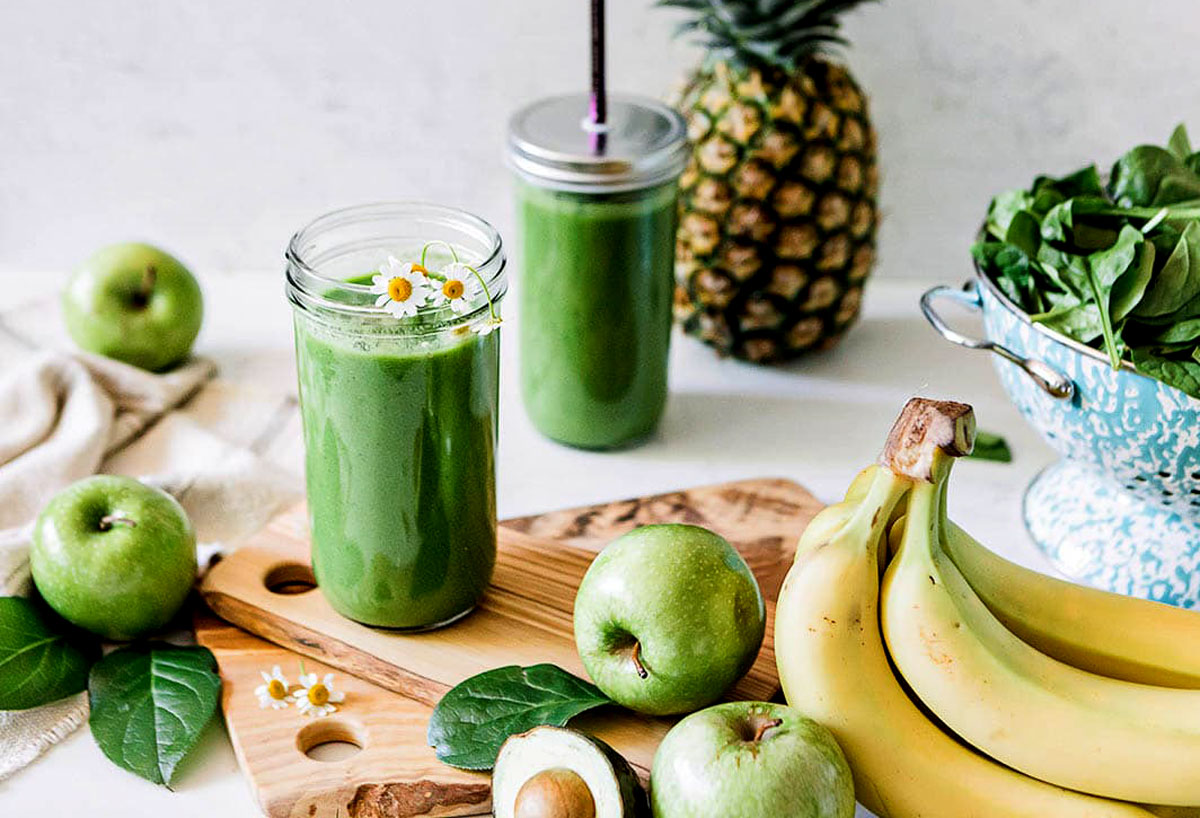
(402, 287)
(273, 692)
(460, 288)
(317, 698)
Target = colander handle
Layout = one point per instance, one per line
(1053, 383)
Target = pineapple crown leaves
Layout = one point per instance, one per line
(780, 34)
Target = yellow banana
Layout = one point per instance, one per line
(1027, 710)
(1124, 637)
(1106, 633)
(834, 668)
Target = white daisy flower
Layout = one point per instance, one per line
(460, 288)
(317, 698)
(273, 692)
(402, 287)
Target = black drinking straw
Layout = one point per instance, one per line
(599, 111)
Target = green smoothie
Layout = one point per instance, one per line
(595, 318)
(399, 437)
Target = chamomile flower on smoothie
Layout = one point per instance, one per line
(317, 698)
(402, 287)
(273, 692)
(459, 289)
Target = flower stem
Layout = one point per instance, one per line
(486, 293)
(446, 244)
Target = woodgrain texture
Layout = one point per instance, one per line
(395, 775)
(524, 619)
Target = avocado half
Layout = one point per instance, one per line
(556, 772)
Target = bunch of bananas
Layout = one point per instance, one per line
(961, 685)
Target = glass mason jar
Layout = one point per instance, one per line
(597, 214)
(399, 413)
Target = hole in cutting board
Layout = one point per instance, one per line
(290, 578)
(329, 740)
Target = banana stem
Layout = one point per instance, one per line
(927, 434)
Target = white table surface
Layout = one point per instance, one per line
(817, 421)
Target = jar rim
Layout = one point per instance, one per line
(549, 144)
(308, 286)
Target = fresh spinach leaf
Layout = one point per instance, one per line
(1116, 267)
(1024, 232)
(149, 704)
(477, 715)
(1181, 373)
(1004, 207)
(42, 658)
(1101, 296)
(1182, 332)
(989, 446)
(1179, 144)
(1152, 176)
(1178, 281)
(1083, 224)
(1130, 286)
(1083, 182)
(1082, 322)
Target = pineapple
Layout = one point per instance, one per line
(777, 204)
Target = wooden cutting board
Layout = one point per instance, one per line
(266, 587)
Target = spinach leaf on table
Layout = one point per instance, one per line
(990, 446)
(149, 704)
(42, 658)
(478, 715)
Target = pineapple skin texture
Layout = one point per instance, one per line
(777, 210)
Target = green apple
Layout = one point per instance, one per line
(667, 618)
(114, 556)
(750, 760)
(134, 303)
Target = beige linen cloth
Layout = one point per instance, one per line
(65, 415)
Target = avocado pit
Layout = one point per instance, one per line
(555, 793)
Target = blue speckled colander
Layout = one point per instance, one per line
(1121, 510)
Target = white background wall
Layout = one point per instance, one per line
(218, 127)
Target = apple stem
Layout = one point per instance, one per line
(149, 277)
(764, 726)
(109, 520)
(637, 662)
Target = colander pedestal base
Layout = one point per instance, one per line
(1096, 531)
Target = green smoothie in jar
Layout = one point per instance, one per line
(597, 222)
(399, 408)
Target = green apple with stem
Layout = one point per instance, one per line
(135, 303)
(667, 618)
(749, 760)
(114, 556)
